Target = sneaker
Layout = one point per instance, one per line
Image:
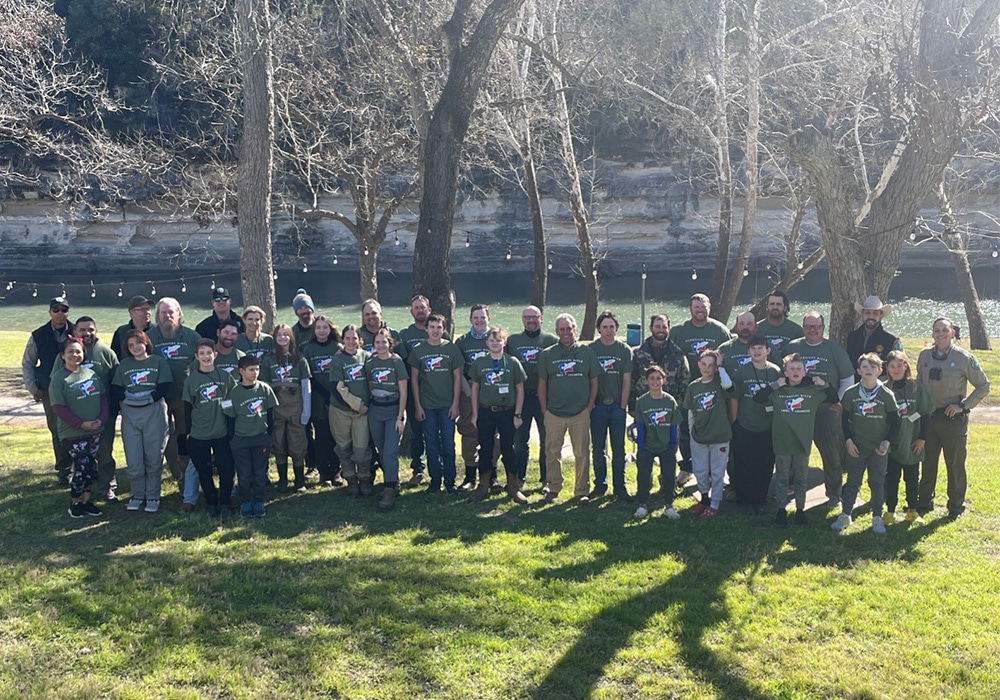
(75, 510)
(622, 495)
(450, 489)
(709, 513)
(134, 503)
(551, 496)
(842, 521)
(338, 480)
(187, 507)
(781, 518)
(416, 479)
(878, 526)
(246, 510)
(912, 516)
(670, 513)
(92, 510)
(889, 518)
(597, 492)
(433, 488)
(682, 478)
(110, 496)
(152, 505)
(698, 508)
(259, 511)
(583, 500)
(313, 473)
(801, 518)
(224, 512)
(640, 512)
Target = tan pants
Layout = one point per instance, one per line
(289, 436)
(578, 427)
(469, 433)
(350, 432)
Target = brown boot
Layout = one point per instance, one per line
(364, 485)
(483, 488)
(388, 499)
(513, 491)
(353, 488)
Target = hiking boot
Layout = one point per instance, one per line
(709, 513)
(353, 486)
(482, 491)
(842, 521)
(912, 516)
(697, 509)
(781, 518)
(801, 518)
(388, 499)
(514, 489)
(365, 486)
(889, 517)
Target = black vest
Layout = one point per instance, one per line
(48, 351)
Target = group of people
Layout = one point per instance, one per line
(219, 400)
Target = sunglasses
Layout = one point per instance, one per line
(61, 309)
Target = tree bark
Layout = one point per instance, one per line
(446, 135)
(957, 242)
(723, 164)
(540, 278)
(256, 158)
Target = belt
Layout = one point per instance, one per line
(608, 402)
(495, 409)
(385, 403)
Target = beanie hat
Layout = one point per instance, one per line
(302, 299)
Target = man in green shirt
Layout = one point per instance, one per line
(825, 358)
(227, 357)
(614, 386)
(567, 390)
(736, 352)
(473, 346)
(776, 328)
(527, 346)
(436, 381)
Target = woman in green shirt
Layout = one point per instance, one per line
(348, 409)
(324, 343)
(80, 403)
(907, 450)
(387, 386)
(288, 375)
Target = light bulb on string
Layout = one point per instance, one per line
(396, 241)
(694, 274)
(365, 250)
(184, 286)
(913, 235)
(121, 292)
(93, 290)
(213, 283)
(336, 260)
(746, 272)
(468, 240)
(550, 266)
(275, 276)
(800, 265)
(152, 289)
(305, 267)
(10, 285)
(644, 271)
(995, 253)
(509, 253)
(34, 292)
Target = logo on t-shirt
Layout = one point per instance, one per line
(608, 364)
(476, 354)
(170, 351)
(659, 417)
(140, 376)
(866, 408)
(256, 407)
(811, 365)
(87, 388)
(754, 388)
(323, 364)
(742, 361)
(210, 392)
(493, 378)
(355, 372)
(776, 342)
(283, 372)
(904, 408)
(381, 375)
(706, 401)
(795, 403)
(567, 367)
(698, 345)
(530, 354)
(433, 363)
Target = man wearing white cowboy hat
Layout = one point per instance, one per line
(871, 336)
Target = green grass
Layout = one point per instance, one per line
(441, 598)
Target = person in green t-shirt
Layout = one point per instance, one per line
(794, 402)
(567, 390)
(607, 420)
(388, 382)
(249, 408)
(707, 404)
(252, 341)
(497, 400)
(205, 426)
(473, 346)
(777, 328)
(436, 381)
(323, 344)
(657, 417)
(915, 409)
(80, 402)
(870, 420)
(348, 412)
(288, 375)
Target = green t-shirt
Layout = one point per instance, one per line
(567, 373)
(826, 360)
(368, 341)
(284, 371)
(657, 416)
(708, 404)
(230, 364)
(615, 361)
(384, 377)
(205, 391)
(779, 336)
(434, 365)
(410, 337)
(527, 350)
(737, 354)
(258, 348)
(915, 405)
(98, 358)
(794, 418)
(869, 417)
(179, 354)
(249, 406)
(747, 381)
(693, 340)
(80, 392)
(498, 380)
(320, 357)
(472, 349)
(349, 369)
(140, 378)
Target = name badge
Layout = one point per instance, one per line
(768, 409)
(913, 417)
(226, 403)
(504, 390)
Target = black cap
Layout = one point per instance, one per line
(58, 301)
(220, 294)
(137, 301)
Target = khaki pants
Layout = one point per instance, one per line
(351, 434)
(578, 427)
(289, 438)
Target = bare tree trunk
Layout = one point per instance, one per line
(368, 273)
(723, 164)
(256, 158)
(540, 278)
(957, 242)
(445, 137)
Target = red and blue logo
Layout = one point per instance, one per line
(698, 345)
(568, 367)
(210, 392)
(660, 417)
(87, 388)
(608, 364)
(355, 372)
(433, 363)
(743, 360)
(811, 365)
(530, 354)
(866, 408)
(706, 401)
(493, 378)
(139, 377)
(171, 351)
(283, 371)
(256, 407)
(323, 364)
(794, 403)
(380, 375)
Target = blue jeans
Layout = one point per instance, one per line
(608, 419)
(531, 410)
(439, 436)
(191, 483)
(416, 447)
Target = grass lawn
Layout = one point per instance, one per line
(441, 598)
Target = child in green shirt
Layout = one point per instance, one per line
(250, 410)
(707, 402)
(657, 418)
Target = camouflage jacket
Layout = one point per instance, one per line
(673, 361)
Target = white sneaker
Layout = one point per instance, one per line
(842, 521)
(671, 513)
(878, 527)
(134, 504)
(152, 505)
(640, 512)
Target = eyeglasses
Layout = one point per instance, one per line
(61, 309)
